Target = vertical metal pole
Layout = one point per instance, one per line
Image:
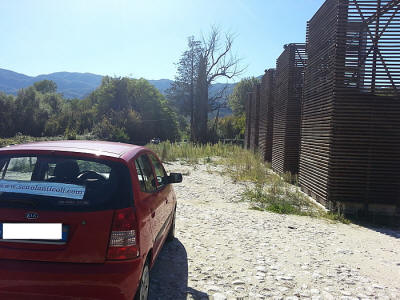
(375, 41)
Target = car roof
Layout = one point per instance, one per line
(99, 148)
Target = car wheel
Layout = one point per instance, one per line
(143, 290)
(171, 233)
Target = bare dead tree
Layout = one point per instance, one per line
(219, 99)
(219, 62)
(200, 66)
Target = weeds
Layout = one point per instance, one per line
(271, 192)
(282, 198)
(190, 153)
(241, 164)
(278, 197)
(336, 217)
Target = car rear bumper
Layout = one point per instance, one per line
(43, 280)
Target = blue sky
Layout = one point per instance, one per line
(142, 38)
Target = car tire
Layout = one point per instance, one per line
(171, 233)
(143, 289)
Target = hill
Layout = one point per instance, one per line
(79, 85)
(71, 85)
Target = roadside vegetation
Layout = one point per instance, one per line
(123, 109)
(120, 109)
(21, 139)
(267, 190)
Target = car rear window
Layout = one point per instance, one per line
(63, 183)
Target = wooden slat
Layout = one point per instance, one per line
(287, 108)
(254, 119)
(266, 114)
(247, 132)
(350, 145)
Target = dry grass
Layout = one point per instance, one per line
(271, 192)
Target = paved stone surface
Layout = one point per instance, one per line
(223, 250)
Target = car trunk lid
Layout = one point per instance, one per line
(85, 236)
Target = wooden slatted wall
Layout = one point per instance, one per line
(318, 106)
(350, 154)
(266, 114)
(255, 117)
(287, 110)
(247, 132)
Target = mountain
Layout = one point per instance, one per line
(79, 85)
(71, 85)
(10, 81)
(162, 84)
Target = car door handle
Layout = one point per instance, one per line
(153, 214)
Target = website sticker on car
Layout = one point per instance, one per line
(52, 189)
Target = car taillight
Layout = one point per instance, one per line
(122, 244)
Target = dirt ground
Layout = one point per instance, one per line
(224, 250)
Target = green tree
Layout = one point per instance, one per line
(182, 92)
(214, 61)
(52, 103)
(233, 127)
(239, 95)
(229, 127)
(7, 112)
(30, 116)
(121, 109)
(105, 130)
(45, 86)
(135, 106)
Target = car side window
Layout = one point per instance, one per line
(18, 168)
(145, 174)
(159, 169)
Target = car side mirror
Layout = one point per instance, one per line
(175, 178)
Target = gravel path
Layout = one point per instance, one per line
(224, 250)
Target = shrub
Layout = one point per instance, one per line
(107, 131)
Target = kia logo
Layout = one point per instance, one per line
(32, 215)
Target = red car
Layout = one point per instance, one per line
(82, 219)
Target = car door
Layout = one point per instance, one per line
(165, 193)
(150, 198)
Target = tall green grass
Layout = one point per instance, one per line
(270, 191)
(241, 164)
(189, 152)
